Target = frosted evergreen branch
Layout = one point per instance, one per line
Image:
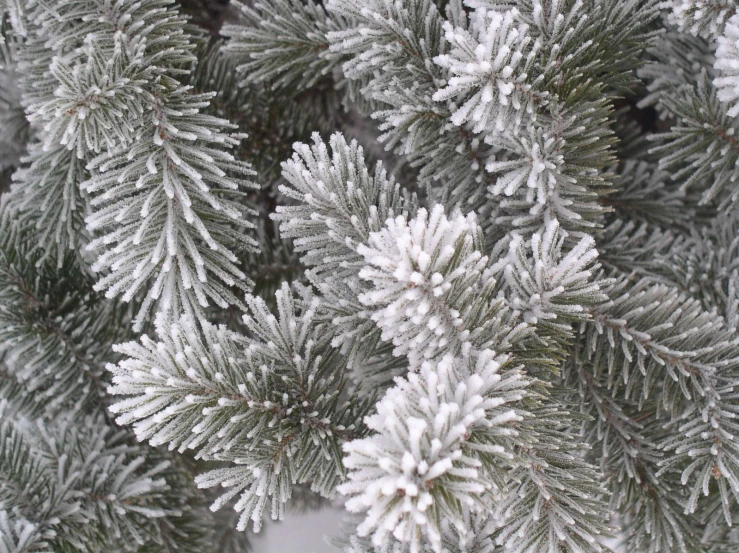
(55, 332)
(689, 355)
(644, 193)
(716, 246)
(54, 211)
(700, 151)
(46, 199)
(341, 204)
(705, 18)
(487, 81)
(704, 265)
(400, 41)
(673, 58)
(168, 216)
(12, 116)
(622, 445)
(434, 233)
(56, 31)
(151, 200)
(569, 40)
(555, 497)
(340, 196)
(550, 287)
(562, 163)
(99, 97)
(74, 484)
(273, 120)
(447, 351)
(727, 59)
(534, 161)
(638, 248)
(476, 539)
(14, 11)
(214, 391)
(283, 43)
(437, 436)
(432, 294)
(10, 387)
(410, 122)
(397, 40)
(342, 227)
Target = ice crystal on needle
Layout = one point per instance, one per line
(424, 462)
(418, 269)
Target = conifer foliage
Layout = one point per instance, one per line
(466, 269)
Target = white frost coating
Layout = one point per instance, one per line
(78, 463)
(488, 67)
(414, 266)
(160, 180)
(249, 403)
(727, 66)
(703, 18)
(538, 166)
(94, 105)
(420, 464)
(546, 285)
(163, 208)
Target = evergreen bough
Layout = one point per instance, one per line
(468, 268)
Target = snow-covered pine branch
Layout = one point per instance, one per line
(489, 66)
(700, 151)
(704, 18)
(168, 211)
(55, 333)
(454, 157)
(553, 496)
(627, 452)
(342, 202)
(727, 66)
(548, 285)
(282, 42)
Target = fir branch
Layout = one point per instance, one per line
(55, 332)
(686, 356)
(74, 484)
(216, 391)
(700, 150)
(283, 43)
